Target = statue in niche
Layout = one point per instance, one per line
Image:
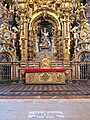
(45, 42)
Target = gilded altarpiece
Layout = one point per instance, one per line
(45, 32)
(42, 27)
(53, 29)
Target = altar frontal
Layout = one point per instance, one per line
(50, 75)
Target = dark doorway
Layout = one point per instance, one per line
(84, 71)
(85, 65)
(5, 72)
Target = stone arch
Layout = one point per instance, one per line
(80, 53)
(6, 57)
(36, 19)
(53, 19)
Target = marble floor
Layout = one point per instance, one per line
(44, 109)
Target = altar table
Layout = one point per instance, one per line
(49, 75)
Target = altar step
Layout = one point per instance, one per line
(44, 90)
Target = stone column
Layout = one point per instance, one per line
(31, 45)
(59, 46)
(23, 37)
(66, 37)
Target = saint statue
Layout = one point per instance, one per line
(45, 42)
